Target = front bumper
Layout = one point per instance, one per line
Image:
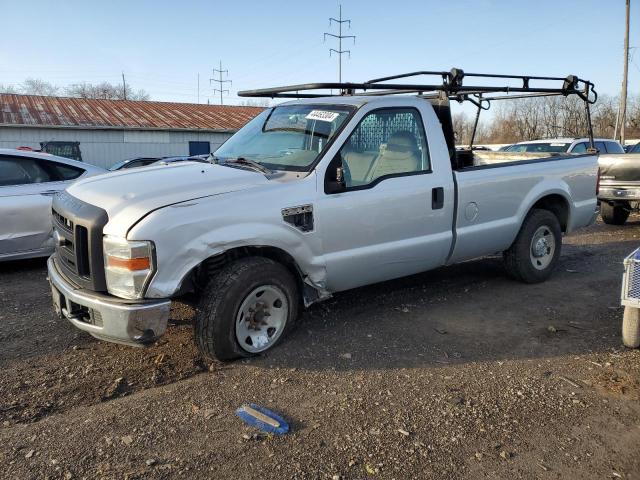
(106, 317)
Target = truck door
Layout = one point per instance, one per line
(392, 218)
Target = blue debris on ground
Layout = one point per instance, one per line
(262, 418)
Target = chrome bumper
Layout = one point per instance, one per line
(619, 193)
(107, 317)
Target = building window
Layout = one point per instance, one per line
(199, 148)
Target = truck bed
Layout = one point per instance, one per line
(493, 198)
(476, 158)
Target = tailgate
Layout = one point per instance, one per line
(619, 168)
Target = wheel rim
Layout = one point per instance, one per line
(543, 248)
(261, 318)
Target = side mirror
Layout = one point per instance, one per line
(338, 185)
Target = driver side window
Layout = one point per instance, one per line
(387, 142)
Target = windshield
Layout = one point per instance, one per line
(540, 147)
(289, 137)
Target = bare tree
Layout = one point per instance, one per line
(549, 117)
(36, 86)
(8, 89)
(104, 91)
(633, 118)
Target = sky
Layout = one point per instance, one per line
(163, 46)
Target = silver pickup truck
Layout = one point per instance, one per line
(315, 196)
(619, 191)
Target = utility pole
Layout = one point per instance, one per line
(220, 81)
(124, 87)
(339, 51)
(622, 110)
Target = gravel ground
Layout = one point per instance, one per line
(456, 373)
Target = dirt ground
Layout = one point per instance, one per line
(456, 373)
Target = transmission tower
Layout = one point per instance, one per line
(220, 81)
(339, 51)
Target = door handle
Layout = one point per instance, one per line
(49, 193)
(437, 198)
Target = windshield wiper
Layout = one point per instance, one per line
(248, 163)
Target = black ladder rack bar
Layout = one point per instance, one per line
(452, 85)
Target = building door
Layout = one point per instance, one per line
(199, 148)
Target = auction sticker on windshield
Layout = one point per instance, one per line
(322, 115)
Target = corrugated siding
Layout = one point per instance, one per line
(42, 111)
(106, 147)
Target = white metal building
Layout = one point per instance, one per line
(109, 131)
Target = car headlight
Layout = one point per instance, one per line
(128, 266)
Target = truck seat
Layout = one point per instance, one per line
(359, 164)
(401, 155)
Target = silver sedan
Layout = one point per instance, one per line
(28, 180)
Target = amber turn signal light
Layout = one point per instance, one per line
(131, 264)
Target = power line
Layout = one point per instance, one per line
(339, 51)
(220, 81)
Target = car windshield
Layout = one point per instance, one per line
(288, 137)
(132, 163)
(540, 147)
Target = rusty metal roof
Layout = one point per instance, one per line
(39, 111)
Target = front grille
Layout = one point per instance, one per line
(63, 222)
(78, 226)
(67, 245)
(633, 280)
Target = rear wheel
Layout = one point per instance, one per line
(631, 327)
(246, 309)
(614, 214)
(535, 251)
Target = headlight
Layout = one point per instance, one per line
(128, 266)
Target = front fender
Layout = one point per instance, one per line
(182, 244)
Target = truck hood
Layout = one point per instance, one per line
(128, 195)
(619, 168)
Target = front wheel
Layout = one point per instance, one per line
(535, 252)
(614, 214)
(246, 309)
(631, 327)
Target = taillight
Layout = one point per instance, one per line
(598, 183)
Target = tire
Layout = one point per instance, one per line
(631, 327)
(613, 214)
(521, 260)
(239, 282)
